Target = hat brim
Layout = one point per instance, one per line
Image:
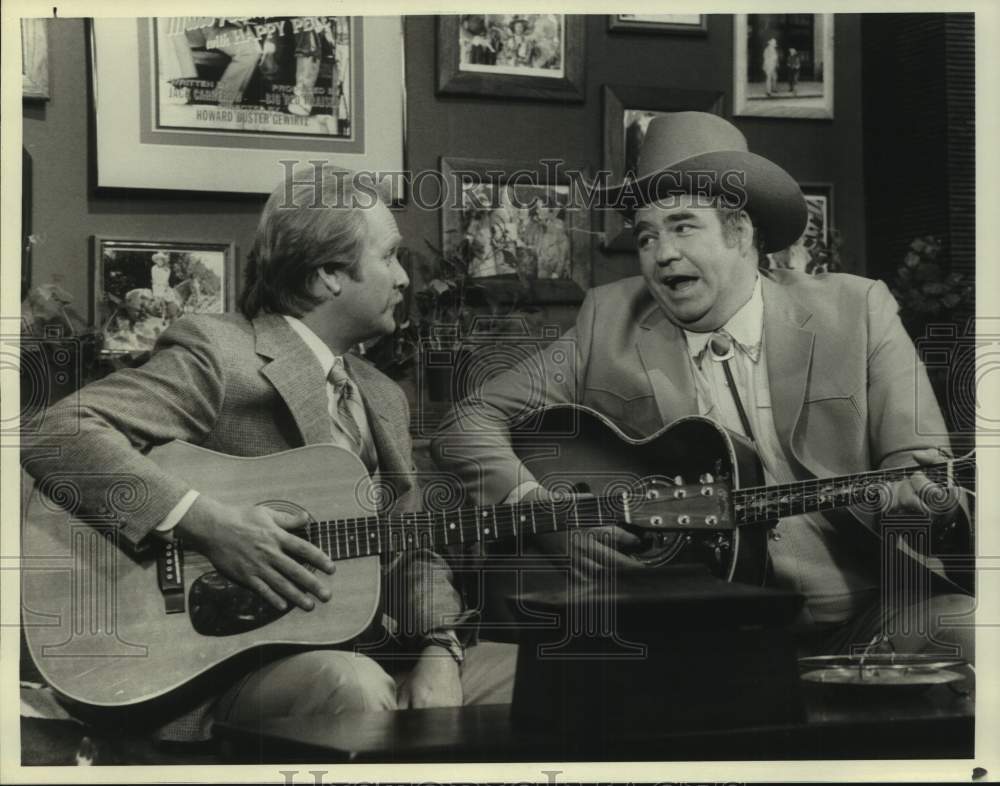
(771, 197)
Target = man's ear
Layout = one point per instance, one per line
(327, 284)
(747, 239)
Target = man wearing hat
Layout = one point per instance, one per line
(825, 380)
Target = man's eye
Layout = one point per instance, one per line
(645, 241)
(684, 229)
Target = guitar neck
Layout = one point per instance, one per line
(370, 535)
(766, 503)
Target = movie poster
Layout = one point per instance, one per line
(270, 75)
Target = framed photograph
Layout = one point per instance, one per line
(784, 65)
(244, 99)
(627, 112)
(536, 56)
(141, 287)
(693, 24)
(35, 59)
(802, 255)
(514, 225)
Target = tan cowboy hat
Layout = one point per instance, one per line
(681, 147)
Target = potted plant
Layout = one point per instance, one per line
(927, 292)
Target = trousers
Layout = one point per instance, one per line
(336, 681)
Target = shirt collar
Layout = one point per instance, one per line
(746, 327)
(322, 352)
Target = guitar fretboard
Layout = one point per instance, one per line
(765, 503)
(370, 535)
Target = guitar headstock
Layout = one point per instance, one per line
(659, 504)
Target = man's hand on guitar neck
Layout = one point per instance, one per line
(918, 494)
(253, 547)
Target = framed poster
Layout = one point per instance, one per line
(35, 59)
(693, 24)
(231, 104)
(537, 56)
(142, 286)
(802, 254)
(783, 65)
(627, 112)
(510, 222)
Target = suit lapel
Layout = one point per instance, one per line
(296, 375)
(664, 356)
(384, 416)
(789, 348)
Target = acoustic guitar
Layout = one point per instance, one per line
(112, 626)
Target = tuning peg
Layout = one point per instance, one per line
(706, 478)
(678, 480)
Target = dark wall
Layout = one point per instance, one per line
(66, 212)
(919, 109)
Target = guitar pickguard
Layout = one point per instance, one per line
(220, 607)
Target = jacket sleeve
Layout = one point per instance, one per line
(473, 441)
(105, 430)
(903, 413)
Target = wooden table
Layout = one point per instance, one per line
(937, 723)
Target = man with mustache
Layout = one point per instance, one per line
(322, 277)
(827, 379)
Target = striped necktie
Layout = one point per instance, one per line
(343, 391)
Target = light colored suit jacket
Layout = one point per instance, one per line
(848, 391)
(246, 388)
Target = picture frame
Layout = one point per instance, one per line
(817, 235)
(485, 55)
(764, 82)
(520, 226)
(173, 101)
(140, 287)
(625, 107)
(659, 24)
(35, 59)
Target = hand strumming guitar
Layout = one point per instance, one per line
(594, 550)
(253, 547)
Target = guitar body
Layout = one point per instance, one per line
(573, 449)
(94, 616)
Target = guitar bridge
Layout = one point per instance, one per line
(170, 577)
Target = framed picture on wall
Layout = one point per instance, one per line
(230, 104)
(693, 24)
(142, 286)
(35, 59)
(513, 225)
(627, 112)
(537, 56)
(783, 65)
(807, 253)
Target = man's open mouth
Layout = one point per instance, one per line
(679, 283)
